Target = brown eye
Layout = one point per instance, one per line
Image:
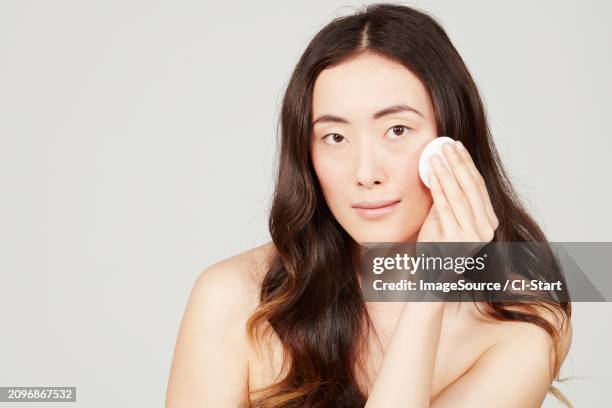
(335, 137)
(398, 131)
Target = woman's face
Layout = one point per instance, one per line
(371, 119)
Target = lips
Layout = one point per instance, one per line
(377, 209)
(370, 205)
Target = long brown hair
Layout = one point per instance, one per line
(311, 296)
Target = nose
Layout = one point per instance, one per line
(369, 171)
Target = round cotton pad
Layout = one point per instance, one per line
(432, 148)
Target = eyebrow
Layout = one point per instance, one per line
(387, 111)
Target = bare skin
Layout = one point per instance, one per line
(214, 364)
(431, 355)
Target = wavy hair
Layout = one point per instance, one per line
(310, 295)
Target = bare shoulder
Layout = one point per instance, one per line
(522, 353)
(516, 331)
(210, 366)
(536, 338)
(234, 283)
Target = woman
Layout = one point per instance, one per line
(286, 325)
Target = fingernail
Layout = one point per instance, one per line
(459, 146)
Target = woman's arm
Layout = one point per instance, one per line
(461, 212)
(514, 373)
(405, 377)
(210, 364)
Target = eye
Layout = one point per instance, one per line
(336, 137)
(398, 131)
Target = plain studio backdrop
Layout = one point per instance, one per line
(137, 147)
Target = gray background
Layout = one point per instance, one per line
(137, 143)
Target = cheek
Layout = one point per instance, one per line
(405, 170)
(406, 174)
(332, 178)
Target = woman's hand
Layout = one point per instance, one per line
(461, 209)
(461, 212)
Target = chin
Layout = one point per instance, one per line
(384, 234)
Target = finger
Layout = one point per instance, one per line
(442, 208)
(434, 215)
(465, 154)
(454, 196)
(471, 189)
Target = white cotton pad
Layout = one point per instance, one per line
(431, 149)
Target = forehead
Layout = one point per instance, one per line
(366, 84)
